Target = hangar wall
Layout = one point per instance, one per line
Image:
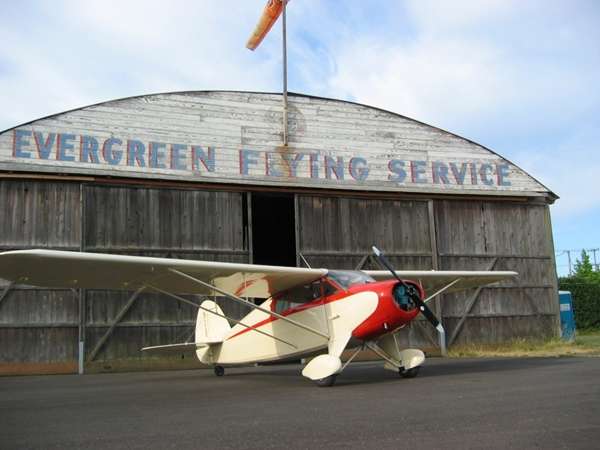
(170, 175)
(446, 235)
(40, 328)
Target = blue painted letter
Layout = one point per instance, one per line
(396, 166)
(65, 145)
(177, 158)
(135, 153)
(247, 157)
(112, 156)
(20, 140)
(207, 159)
(359, 169)
(501, 174)
(88, 150)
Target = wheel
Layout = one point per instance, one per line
(327, 381)
(410, 373)
(219, 371)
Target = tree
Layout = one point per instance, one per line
(584, 270)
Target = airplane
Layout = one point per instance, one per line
(307, 311)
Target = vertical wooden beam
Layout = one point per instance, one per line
(81, 295)
(297, 230)
(249, 217)
(554, 274)
(119, 317)
(435, 266)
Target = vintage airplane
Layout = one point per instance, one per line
(307, 311)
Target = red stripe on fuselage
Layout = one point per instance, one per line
(386, 312)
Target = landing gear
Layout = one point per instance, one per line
(410, 373)
(219, 371)
(327, 381)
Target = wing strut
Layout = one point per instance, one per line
(181, 299)
(250, 304)
(440, 328)
(439, 291)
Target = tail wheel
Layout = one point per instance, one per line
(410, 373)
(219, 371)
(327, 381)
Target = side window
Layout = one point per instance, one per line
(298, 296)
(328, 289)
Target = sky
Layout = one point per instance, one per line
(519, 77)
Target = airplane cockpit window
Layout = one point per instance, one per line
(298, 296)
(348, 278)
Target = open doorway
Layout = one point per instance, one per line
(273, 229)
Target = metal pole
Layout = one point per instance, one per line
(285, 99)
(569, 257)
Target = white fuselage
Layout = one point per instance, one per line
(335, 318)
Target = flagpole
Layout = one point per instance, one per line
(285, 99)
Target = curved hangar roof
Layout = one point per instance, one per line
(235, 137)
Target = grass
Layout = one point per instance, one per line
(587, 343)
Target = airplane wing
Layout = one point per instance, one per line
(52, 268)
(433, 280)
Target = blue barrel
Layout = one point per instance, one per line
(567, 319)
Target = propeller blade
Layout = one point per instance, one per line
(383, 260)
(428, 313)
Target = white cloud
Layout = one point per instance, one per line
(519, 77)
(87, 52)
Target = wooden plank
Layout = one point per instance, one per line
(228, 124)
(470, 304)
(117, 319)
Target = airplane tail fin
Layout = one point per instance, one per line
(210, 331)
(210, 328)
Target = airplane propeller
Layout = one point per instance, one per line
(428, 313)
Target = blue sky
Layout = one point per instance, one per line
(519, 77)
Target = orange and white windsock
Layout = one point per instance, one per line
(269, 16)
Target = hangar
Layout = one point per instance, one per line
(203, 175)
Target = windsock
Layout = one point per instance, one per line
(269, 16)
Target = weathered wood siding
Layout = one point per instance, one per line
(469, 235)
(338, 233)
(39, 327)
(332, 144)
(480, 235)
(187, 224)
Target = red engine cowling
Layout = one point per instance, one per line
(395, 309)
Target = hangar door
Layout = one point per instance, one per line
(338, 233)
(170, 223)
(40, 328)
(488, 235)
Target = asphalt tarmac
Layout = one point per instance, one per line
(453, 403)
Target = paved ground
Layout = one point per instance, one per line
(484, 403)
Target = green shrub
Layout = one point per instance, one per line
(586, 300)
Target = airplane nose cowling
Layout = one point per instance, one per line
(395, 309)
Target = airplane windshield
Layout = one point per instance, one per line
(348, 278)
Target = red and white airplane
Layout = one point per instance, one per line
(307, 312)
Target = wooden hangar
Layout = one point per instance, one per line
(202, 175)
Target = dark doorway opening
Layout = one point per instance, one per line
(273, 229)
